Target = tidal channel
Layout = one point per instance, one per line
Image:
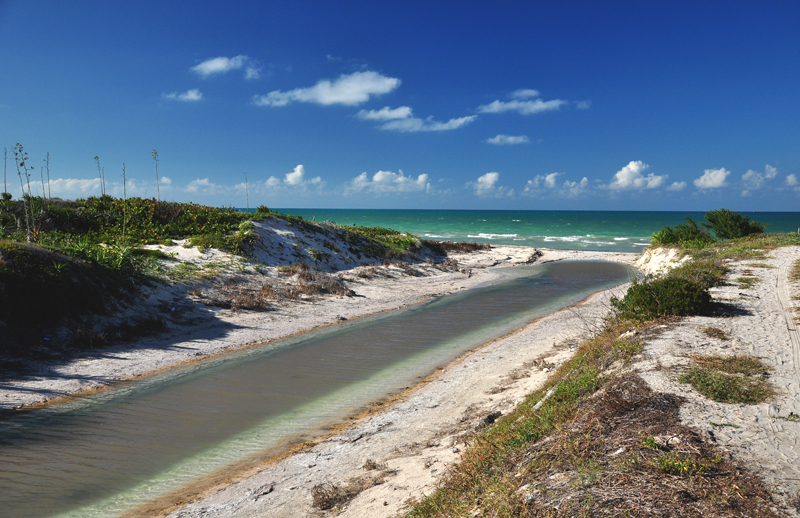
(108, 453)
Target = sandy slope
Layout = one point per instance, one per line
(761, 323)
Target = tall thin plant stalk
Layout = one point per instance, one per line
(5, 183)
(101, 175)
(124, 202)
(158, 187)
(47, 168)
(41, 173)
(20, 157)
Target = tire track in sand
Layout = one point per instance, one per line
(784, 299)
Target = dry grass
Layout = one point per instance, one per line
(795, 273)
(715, 332)
(730, 379)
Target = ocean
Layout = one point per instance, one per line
(618, 231)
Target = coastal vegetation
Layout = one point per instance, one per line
(723, 223)
(64, 260)
(595, 440)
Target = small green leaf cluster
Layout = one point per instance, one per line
(653, 299)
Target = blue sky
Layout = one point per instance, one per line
(501, 105)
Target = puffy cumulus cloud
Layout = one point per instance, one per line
(753, 180)
(295, 179)
(222, 65)
(572, 189)
(486, 185)
(631, 177)
(385, 114)
(349, 90)
(388, 182)
(507, 140)
(188, 96)
(677, 186)
(542, 181)
(712, 179)
(525, 102)
(791, 180)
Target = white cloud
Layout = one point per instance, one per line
(523, 107)
(222, 65)
(631, 177)
(791, 180)
(297, 178)
(401, 119)
(677, 186)
(71, 188)
(752, 180)
(712, 178)
(549, 183)
(583, 105)
(770, 172)
(486, 185)
(388, 181)
(350, 90)
(542, 181)
(524, 93)
(203, 185)
(503, 140)
(415, 124)
(188, 96)
(572, 189)
(385, 114)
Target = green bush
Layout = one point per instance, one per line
(706, 272)
(657, 298)
(684, 234)
(727, 224)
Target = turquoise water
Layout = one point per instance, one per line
(620, 231)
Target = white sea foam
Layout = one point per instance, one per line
(491, 236)
(621, 238)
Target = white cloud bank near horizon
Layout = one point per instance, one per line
(348, 89)
(388, 182)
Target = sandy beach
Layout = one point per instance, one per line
(400, 450)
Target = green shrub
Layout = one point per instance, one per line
(706, 272)
(727, 224)
(685, 234)
(657, 298)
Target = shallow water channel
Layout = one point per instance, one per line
(106, 454)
